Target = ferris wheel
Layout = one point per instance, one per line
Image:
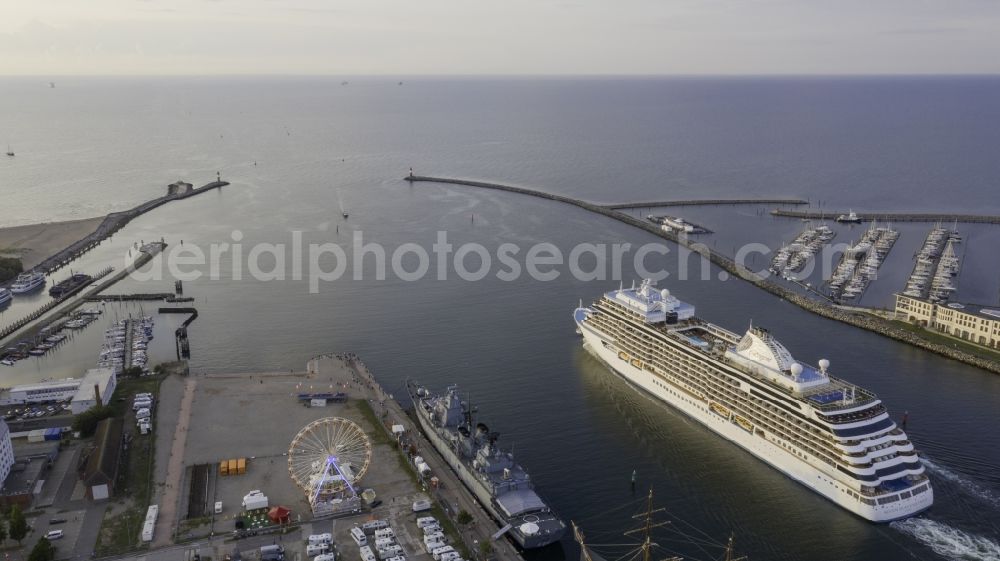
(328, 456)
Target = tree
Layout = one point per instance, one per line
(18, 524)
(43, 551)
(485, 548)
(463, 517)
(86, 423)
(132, 372)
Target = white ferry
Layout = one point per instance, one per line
(27, 282)
(4, 296)
(832, 436)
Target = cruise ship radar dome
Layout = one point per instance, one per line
(824, 364)
(664, 293)
(796, 369)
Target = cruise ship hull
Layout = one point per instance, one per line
(478, 490)
(699, 410)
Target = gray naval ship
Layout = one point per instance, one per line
(500, 485)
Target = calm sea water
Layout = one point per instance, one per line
(297, 149)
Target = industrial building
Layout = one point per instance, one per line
(970, 322)
(82, 392)
(96, 386)
(41, 392)
(101, 468)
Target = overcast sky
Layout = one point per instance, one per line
(52, 37)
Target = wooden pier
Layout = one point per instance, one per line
(892, 216)
(870, 322)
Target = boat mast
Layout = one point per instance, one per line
(648, 525)
(729, 551)
(578, 536)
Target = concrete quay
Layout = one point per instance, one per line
(892, 216)
(867, 321)
(452, 495)
(700, 202)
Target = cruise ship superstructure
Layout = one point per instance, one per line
(832, 436)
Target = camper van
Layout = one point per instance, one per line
(359, 536)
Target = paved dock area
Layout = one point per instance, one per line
(361, 382)
(203, 419)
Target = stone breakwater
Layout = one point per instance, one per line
(892, 216)
(701, 202)
(858, 319)
(111, 224)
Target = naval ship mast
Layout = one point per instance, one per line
(645, 550)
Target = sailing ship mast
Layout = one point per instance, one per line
(645, 550)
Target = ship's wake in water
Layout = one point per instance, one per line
(951, 543)
(968, 486)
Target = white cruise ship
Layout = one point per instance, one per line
(830, 435)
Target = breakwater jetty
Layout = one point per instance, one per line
(114, 222)
(700, 202)
(863, 320)
(181, 342)
(892, 216)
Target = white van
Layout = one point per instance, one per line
(437, 553)
(366, 553)
(382, 543)
(390, 551)
(450, 556)
(421, 505)
(385, 533)
(373, 525)
(432, 545)
(317, 549)
(434, 536)
(54, 534)
(317, 539)
(426, 521)
(326, 557)
(359, 536)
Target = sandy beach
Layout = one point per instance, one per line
(35, 242)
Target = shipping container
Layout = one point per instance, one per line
(241, 466)
(232, 467)
(224, 467)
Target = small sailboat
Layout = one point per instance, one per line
(9, 151)
(343, 211)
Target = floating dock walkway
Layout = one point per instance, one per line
(858, 319)
(892, 216)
